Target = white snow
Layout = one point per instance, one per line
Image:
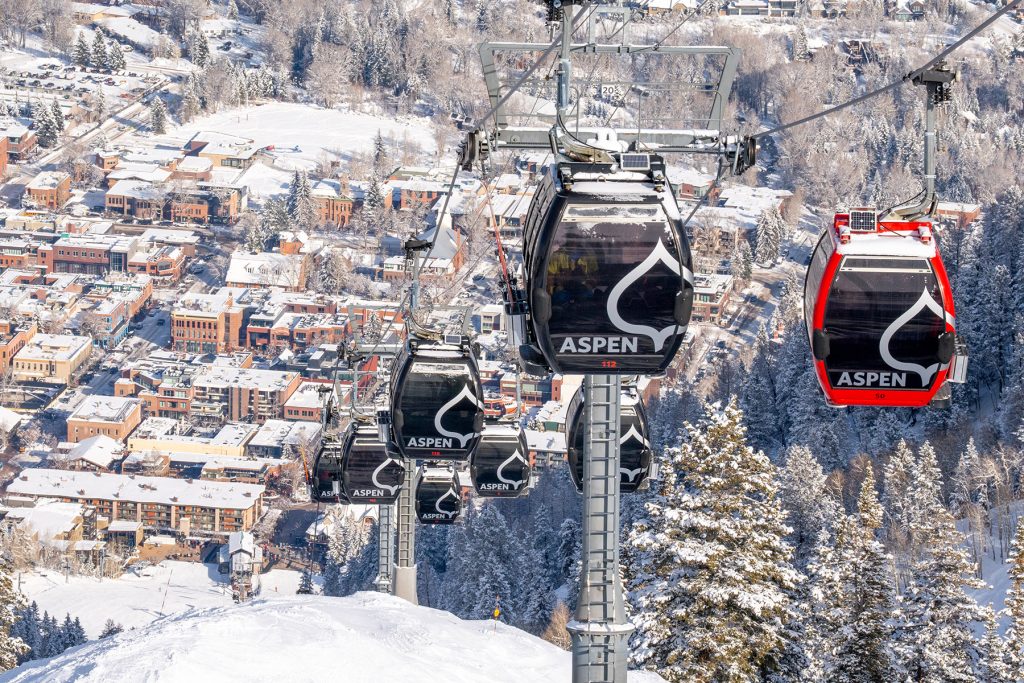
(301, 133)
(368, 637)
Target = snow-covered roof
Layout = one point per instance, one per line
(285, 433)
(266, 269)
(99, 450)
(113, 409)
(136, 189)
(241, 541)
(164, 490)
(49, 518)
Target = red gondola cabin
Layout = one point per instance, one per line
(879, 312)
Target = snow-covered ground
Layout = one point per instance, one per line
(366, 638)
(302, 133)
(137, 599)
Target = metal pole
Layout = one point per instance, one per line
(405, 570)
(564, 61)
(385, 548)
(599, 629)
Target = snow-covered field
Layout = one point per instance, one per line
(301, 133)
(366, 638)
(135, 600)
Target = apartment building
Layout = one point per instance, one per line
(88, 254)
(211, 323)
(48, 190)
(160, 504)
(163, 435)
(711, 296)
(234, 394)
(14, 334)
(51, 358)
(112, 416)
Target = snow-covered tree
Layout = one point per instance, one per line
(44, 125)
(115, 56)
(300, 203)
(81, 53)
(742, 262)
(158, 116)
(12, 648)
(710, 573)
(58, 116)
(98, 55)
(810, 504)
(934, 637)
(111, 628)
(769, 233)
(862, 641)
(992, 666)
(1015, 606)
(801, 52)
(759, 395)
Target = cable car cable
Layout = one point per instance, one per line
(909, 77)
(690, 15)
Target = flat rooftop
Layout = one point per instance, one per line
(114, 409)
(41, 482)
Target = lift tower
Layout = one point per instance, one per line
(600, 629)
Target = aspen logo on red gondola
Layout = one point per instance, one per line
(872, 379)
(925, 301)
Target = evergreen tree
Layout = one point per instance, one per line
(51, 644)
(45, 127)
(710, 575)
(742, 262)
(769, 233)
(863, 648)
(81, 53)
(934, 635)
(190, 105)
(380, 154)
(232, 10)
(301, 206)
(98, 57)
(111, 628)
(801, 53)
(12, 647)
(115, 56)
(809, 503)
(58, 116)
(1015, 607)
(759, 395)
(158, 116)
(198, 49)
(992, 666)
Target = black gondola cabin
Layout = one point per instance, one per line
(437, 408)
(500, 467)
(634, 442)
(370, 473)
(438, 499)
(609, 277)
(326, 483)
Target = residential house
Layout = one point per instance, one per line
(20, 139)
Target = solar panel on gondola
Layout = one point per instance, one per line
(634, 442)
(370, 473)
(880, 314)
(500, 467)
(609, 281)
(437, 408)
(438, 499)
(326, 484)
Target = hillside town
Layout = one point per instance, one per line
(222, 221)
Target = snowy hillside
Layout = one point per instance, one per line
(368, 637)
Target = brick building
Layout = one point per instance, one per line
(212, 508)
(51, 357)
(110, 416)
(211, 323)
(48, 190)
(234, 394)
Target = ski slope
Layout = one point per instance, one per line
(137, 599)
(366, 638)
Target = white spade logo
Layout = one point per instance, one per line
(925, 301)
(635, 435)
(466, 393)
(380, 468)
(516, 483)
(658, 254)
(447, 513)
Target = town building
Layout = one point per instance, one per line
(160, 504)
(211, 323)
(234, 394)
(51, 358)
(267, 269)
(14, 334)
(286, 439)
(161, 435)
(20, 139)
(48, 190)
(111, 416)
(88, 254)
(711, 296)
(333, 202)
